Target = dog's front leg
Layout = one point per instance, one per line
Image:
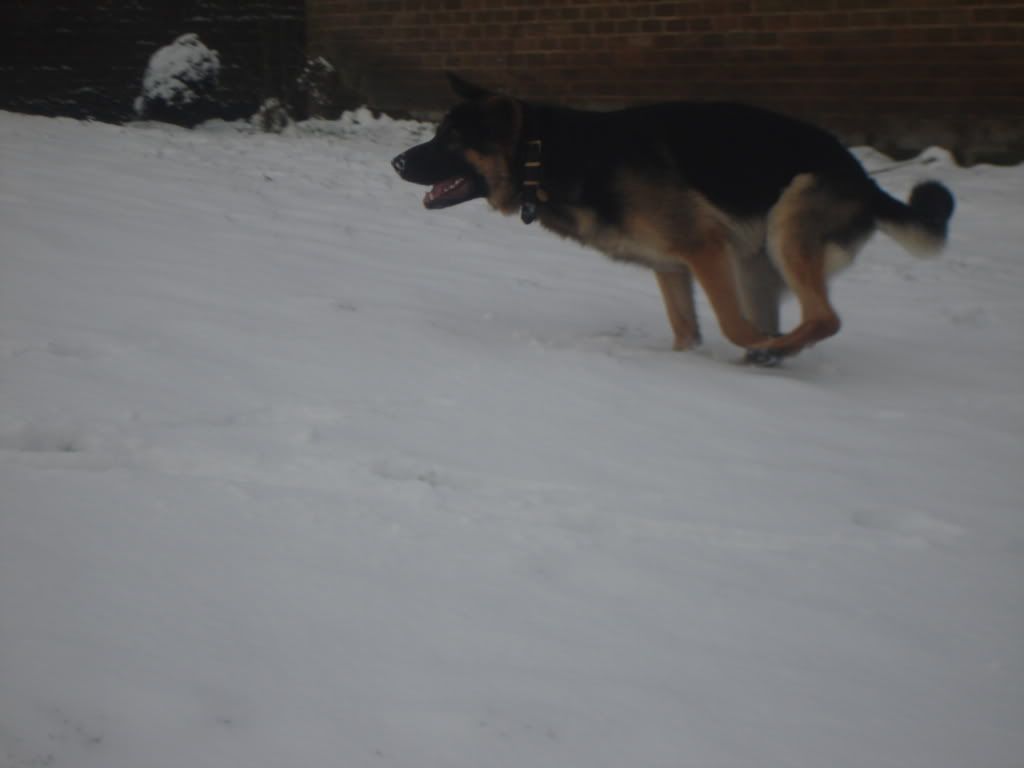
(677, 292)
(712, 265)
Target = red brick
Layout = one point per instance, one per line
(834, 57)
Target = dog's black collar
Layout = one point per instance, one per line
(530, 158)
(533, 178)
(533, 172)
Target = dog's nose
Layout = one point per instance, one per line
(399, 164)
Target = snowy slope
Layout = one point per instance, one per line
(295, 473)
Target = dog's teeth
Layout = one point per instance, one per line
(441, 189)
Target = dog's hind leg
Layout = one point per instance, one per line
(677, 292)
(805, 246)
(804, 270)
(760, 286)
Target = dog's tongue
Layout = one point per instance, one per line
(442, 190)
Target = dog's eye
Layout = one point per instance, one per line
(446, 134)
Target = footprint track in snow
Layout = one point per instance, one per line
(909, 527)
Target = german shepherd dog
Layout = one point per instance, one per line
(746, 201)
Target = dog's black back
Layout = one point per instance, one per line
(740, 157)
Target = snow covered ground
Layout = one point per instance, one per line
(296, 473)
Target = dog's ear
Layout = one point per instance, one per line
(466, 90)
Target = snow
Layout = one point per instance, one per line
(176, 71)
(295, 472)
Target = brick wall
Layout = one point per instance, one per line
(85, 58)
(900, 74)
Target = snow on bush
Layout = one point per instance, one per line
(318, 80)
(272, 117)
(180, 82)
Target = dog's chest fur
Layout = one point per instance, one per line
(585, 227)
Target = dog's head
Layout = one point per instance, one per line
(472, 154)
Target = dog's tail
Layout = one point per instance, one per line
(919, 225)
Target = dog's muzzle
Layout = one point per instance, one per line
(451, 179)
(426, 164)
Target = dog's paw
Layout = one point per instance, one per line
(764, 358)
(686, 344)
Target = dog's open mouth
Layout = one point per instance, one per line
(450, 192)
